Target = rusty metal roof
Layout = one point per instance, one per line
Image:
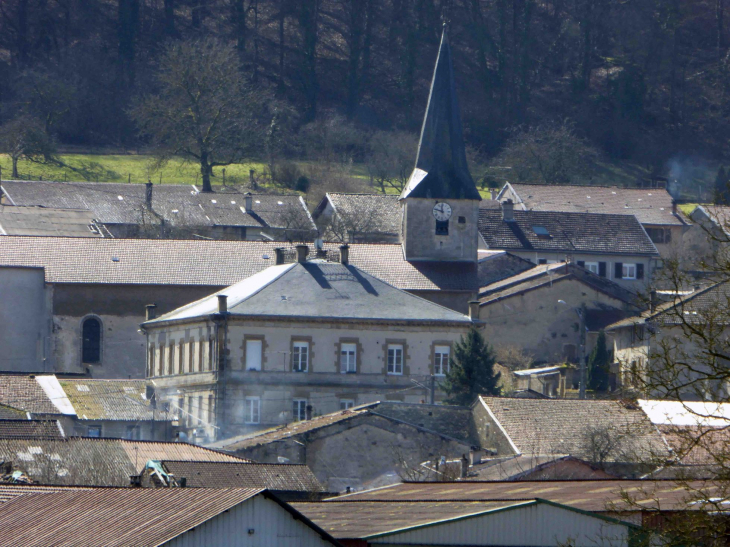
(587, 495)
(272, 476)
(359, 520)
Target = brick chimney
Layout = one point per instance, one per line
(508, 211)
(464, 466)
(344, 254)
(248, 202)
(474, 310)
(302, 252)
(493, 192)
(279, 252)
(148, 194)
(150, 312)
(222, 303)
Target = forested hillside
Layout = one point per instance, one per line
(642, 81)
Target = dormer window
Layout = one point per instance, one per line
(442, 227)
(541, 232)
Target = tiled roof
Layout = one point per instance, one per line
(113, 517)
(571, 426)
(272, 476)
(649, 205)
(209, 263)
(565, 232)
(360, 520)
(40, 221)
(100, 462)
(383, 212)
(10, 413)
(318, 290)
(587, 495)
(23, 392)
(496, 265)
(110, 400)
(179, 205)
(30, 429)
(543, 274)
(448, 420)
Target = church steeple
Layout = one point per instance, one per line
(441, 170)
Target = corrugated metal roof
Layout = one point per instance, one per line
(113, 517)
(587, 495)
(110, 400)
(11, 491)
(358, 520)
(272, 476)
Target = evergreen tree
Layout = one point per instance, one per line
(721, 187)
(471, 370)
(598, 365)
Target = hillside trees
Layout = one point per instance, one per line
(204, 110)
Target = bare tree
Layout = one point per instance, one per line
(205, 111)
(25, 138)
(390, 159)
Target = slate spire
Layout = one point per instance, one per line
(441, 170)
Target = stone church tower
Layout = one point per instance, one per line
(441, 201)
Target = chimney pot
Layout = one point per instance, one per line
(474, 310)
(464, 466)
(248, 202)
(222, 303)
(150, 312)
(344, 254)
(279, 252)
(302, 251)
(508, 211)
(309, 412)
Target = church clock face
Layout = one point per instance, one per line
(442, 211)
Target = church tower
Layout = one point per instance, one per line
(441, 201)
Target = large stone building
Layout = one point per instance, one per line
(293, 340)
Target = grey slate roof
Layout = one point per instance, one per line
(568, 232)
(565, 426)
(383, 211)
(122, 400)
(650, 205)
(41, 221)
(494, 266)
(21, 391)
(189, 262)
(272, 476)
(318, 290)
(441, 170)
(179, 205)
(30, 429)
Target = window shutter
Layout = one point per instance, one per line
(639, 271)
(602, 269)
(618, 270)
(582, 263)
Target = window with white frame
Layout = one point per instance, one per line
(252, 410)
(346, 403)
(592, 267)
(441, 360)
(348, 358)
(395, 359)
(300, 356)
(254, 354)
(299, 409)
(629, 271)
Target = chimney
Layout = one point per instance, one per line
(183, 482)
(222, 303)
(302, 251)
(475, 456)
(494, 193)
(150, 312)
(148, 194)
(508, 211)
(279, 252)
(251, 179)
(344, 255)
(674, 206)
(464, 466)
(653, 301)
(309, 412)
(474, 310)
(248, 202)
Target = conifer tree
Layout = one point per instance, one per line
(598, 365)
(471, 370)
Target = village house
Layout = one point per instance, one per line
(166, 211)
(295, 340)
(553, 312)
(654, 208)
(612, 246)
(641, 344)
(175, 517)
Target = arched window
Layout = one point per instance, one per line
(91, 340)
